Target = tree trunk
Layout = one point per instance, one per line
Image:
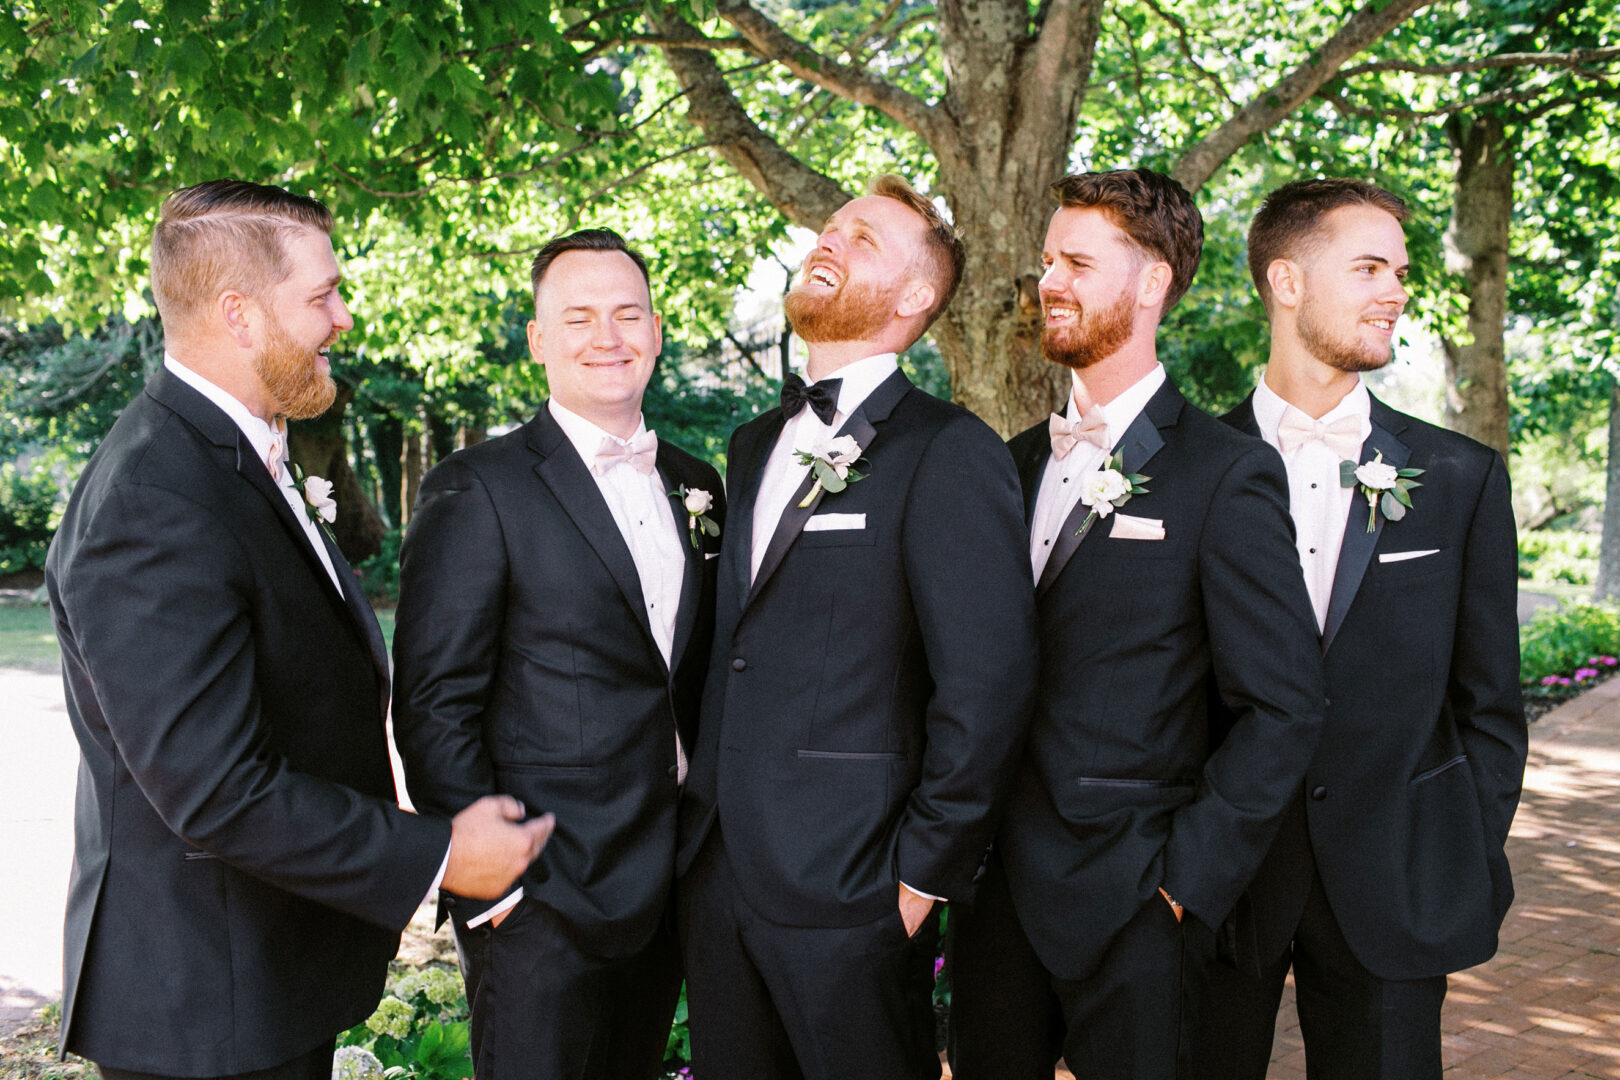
(473, 433)
(387, 435)
(410, 474)
(1608, 573)
(321, 448)
(1477, 247)
(441, 436)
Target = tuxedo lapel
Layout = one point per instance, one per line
(1136, 448)
(1357, 550)
(1030, 469)
(874, 410)
(744, 475)
(365, 620)
(692, 574)
(564, 472)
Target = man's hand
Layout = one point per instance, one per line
(490, 845)
(913, 910)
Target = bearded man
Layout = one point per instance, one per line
(242, 869)
(874, 657)
(1389, 870)
(1163, 557)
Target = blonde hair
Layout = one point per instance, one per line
(943, 248)
(225, 234)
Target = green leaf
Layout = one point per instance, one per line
(1347, 474)
(410, 55)
(1392, 509)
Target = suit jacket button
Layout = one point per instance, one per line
(739, 664)
(674, 772)
(1318, 793)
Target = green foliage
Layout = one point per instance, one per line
(678, 1051)
(379, 575)
(419, 1028)
(1558, 640)
(30, 504)
(1561, 555)
(27, 639)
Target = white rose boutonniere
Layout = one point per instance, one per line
(697, 503)
(833, 465)
(1387, 488)
(317, 493)
(1108, 489)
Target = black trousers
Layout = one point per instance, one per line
(1011, 1018)
(543, 1008)
(315, 1065)
(1356, 1026)
(773, 1002)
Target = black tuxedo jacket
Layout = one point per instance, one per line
(1408, 800)
(1124, 788)
(241, 869)
(525, 665)
(867, 694)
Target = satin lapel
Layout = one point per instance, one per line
(563, 471)
(365, 620)
(692, 574)
(744, 474)
(1357, 550)
(1030, 470)
(251, 469)
(793, 518)
(1136, 447)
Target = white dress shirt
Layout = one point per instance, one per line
(1316, 502)
(783, 471)
(262, 437)
(640, 508)
(1060, 480)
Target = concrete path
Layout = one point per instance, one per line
(1547, 1006)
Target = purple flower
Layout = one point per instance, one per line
(1563, 682)
(939, 965)
(1606, 661)
(1549, 680)
(1585, 673)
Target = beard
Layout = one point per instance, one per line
(852, 312)
(290, 372)
(1096, 335)
(1342, 351)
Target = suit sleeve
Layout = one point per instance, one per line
(452, 602)
(1266, 656)
(160, 604)
(966, 551)
(1483, 688)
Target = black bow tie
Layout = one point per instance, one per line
(822, 397)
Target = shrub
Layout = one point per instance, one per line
(1566, 555)
(419, 1028)
(28, 512)
(379, 575)
(1557, 641)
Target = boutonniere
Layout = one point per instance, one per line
(1108, 489)
(697, 504)
(833, 464)
(1387, 488)
(317, 493)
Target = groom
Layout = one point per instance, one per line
(873, 659)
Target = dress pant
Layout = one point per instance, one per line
(315, 1065)
(545, 1009)
(1011, 1018)
(1356, 1026)
(773, 1002)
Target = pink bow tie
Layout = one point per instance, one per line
(1342, 436)
(277, 453)
(639, 453)
(1092, 427)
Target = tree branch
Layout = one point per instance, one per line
(1185, 40)
(803, 195)
(847, 81)
(1372, 21)
(1345, 107)
(1575, 58)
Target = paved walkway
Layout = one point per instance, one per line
(1547, 1006)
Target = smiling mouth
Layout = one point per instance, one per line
(1386, 325)
(822, 275)
(1061, 313)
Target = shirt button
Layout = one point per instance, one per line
(1319, 793)
(1313, 551)
(1065, 479)
(1313, 486)
(1046, 543)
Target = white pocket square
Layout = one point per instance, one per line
(711, 554)
(1137, 528)
(1402, 556)
(829, 522)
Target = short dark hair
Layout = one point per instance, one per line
(583, 240)
(1149, 207)
(943, 249)
(225, 234)
(1291, 219)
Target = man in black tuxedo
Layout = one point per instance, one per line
(1133, 826)
(241, 867)
(871, 674)
(1389, 870)
(555, 610)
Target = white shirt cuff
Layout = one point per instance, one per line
(443, 866)
(506, 904)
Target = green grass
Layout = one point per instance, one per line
(27, 640)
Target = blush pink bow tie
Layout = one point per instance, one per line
(1342, 436)
(640, 453)
(1092, 427)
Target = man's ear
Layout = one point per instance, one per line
(1154, 284)
(916, 300)
(239, 314)
(1286, 279)
(534, 342)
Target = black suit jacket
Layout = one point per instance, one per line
(526, 665)
(867, 693)
(241, 870)
(1127, 785)
(1408, 800)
